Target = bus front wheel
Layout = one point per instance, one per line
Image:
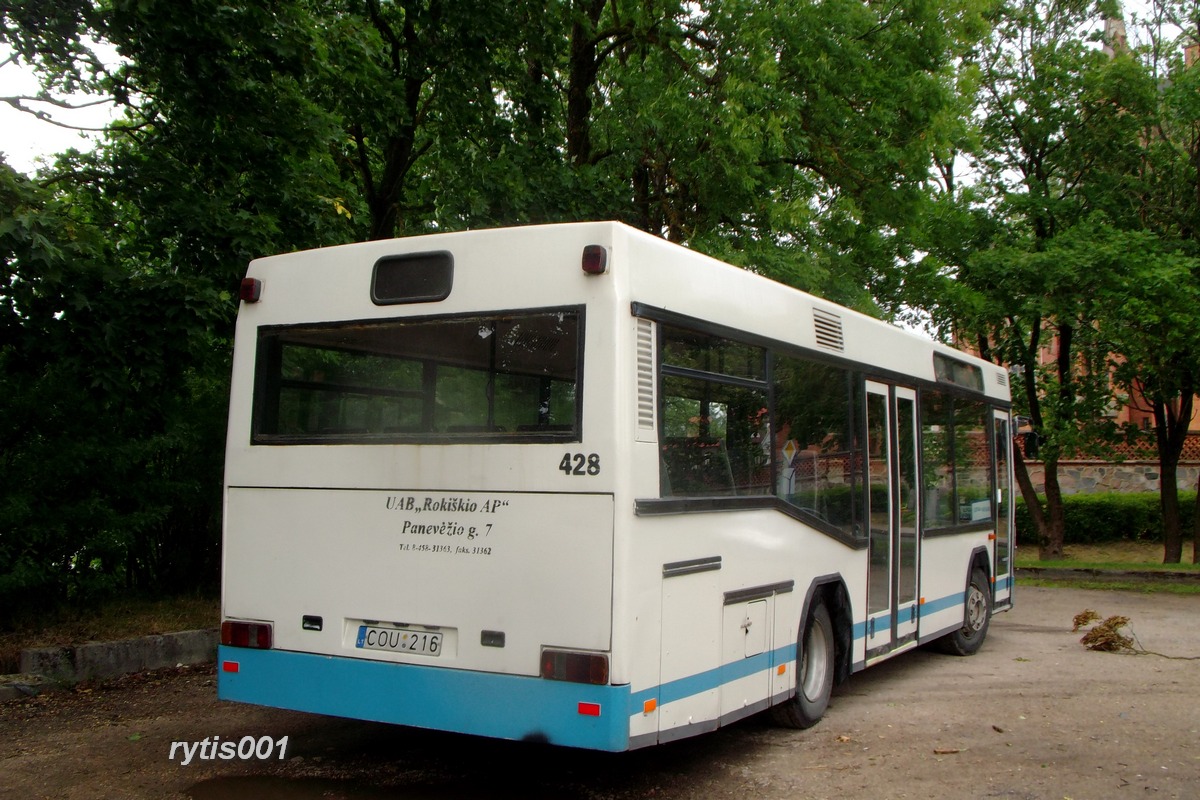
(815, 664)
(977, 613)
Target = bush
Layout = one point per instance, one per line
(1093, 518)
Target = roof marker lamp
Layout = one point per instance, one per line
(595, 259)
(250, 290)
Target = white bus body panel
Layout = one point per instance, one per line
(535, 567)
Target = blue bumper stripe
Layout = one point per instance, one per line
(481, 703)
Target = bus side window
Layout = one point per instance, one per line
(816, 441)
(715, 437)
(956, 461)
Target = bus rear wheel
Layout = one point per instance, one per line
(815, 664)
(977, 612)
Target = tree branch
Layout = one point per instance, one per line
(15, 102)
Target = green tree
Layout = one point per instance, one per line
(1155, 201)
(121, 265)
(1009, 268)
(107, 440)
(1060, 259)
(792, 139)
(1151, 326)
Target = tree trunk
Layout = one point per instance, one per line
(1051, 539)
(385, 198)
(1170, 433)
(582, 69)
(1196, 527)
(1168, 496)
(384, 187)
(1049, 523)
(1033, 503)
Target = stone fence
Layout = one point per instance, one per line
(1136, 470)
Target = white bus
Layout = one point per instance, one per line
(575, 484)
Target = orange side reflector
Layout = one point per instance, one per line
(782, 668)
(230, 666)
(589, 709)
(922, 601)
(650, 706)
(991, 537)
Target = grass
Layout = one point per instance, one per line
(1136, 556)
(1143, 586)
(121, 618)
(1142, 557)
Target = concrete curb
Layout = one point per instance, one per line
(46, 667)
(13, 687)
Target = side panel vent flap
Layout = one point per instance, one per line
(829, 330)
(645, 380)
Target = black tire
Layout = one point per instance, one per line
(977, 613)
(815, 664)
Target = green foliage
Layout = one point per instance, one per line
(112, 435)
(1110, 517)
(1060, 258)
(791, 138)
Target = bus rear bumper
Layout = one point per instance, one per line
(485, 704)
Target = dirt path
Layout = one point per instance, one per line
(1034, 715)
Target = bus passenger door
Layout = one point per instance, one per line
(906, 499)
(1002, 567)
(880, 523)
(893, 497)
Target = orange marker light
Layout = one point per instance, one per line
(650, 706)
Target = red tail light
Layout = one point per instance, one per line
(246, 634)
(567, 665)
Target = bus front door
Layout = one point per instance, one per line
(1003, 490)
(892, 498)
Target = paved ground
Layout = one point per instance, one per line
(1033, 716)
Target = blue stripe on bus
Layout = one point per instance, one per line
(943, 603)
(712, 679)
(706, 681)
(480, 703)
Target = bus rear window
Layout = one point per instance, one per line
(497, 377)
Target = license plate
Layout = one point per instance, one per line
(399, 640)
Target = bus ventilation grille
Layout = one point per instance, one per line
(1002, 377)
(829, 330)
(645, 374)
